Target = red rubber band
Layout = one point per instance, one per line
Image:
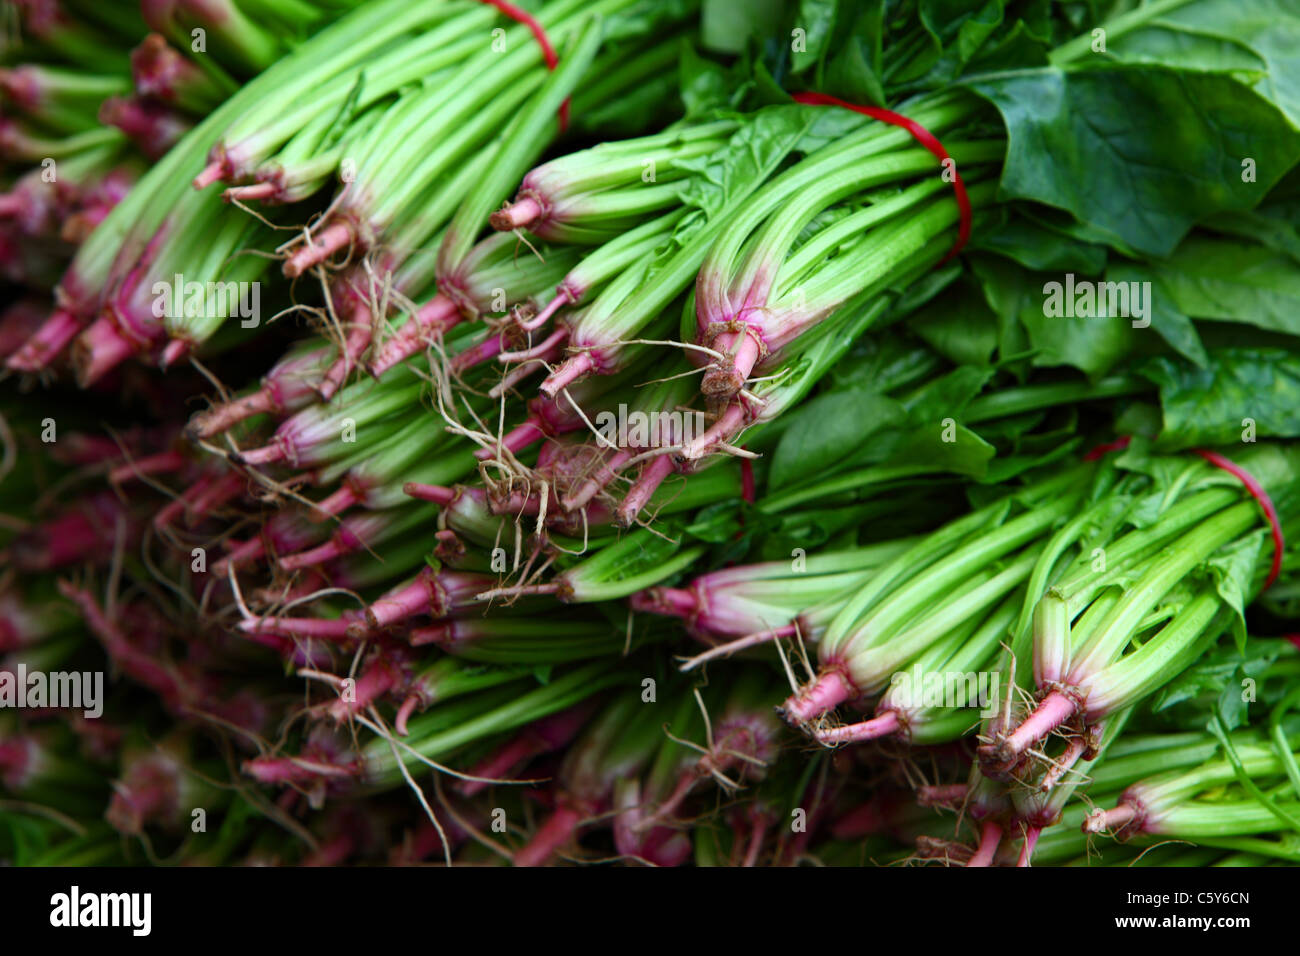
(522, 16)
(922, 136)
(1259, 494)
(747, 480)
(1118, 444)
(1253, 487)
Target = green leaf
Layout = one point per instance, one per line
(1218, 673)
(1273, 226)
(1091, 343)
(1233, 281)
(960, 326)
(704, 84)
(1034, 246)
(1172, 44)
(815, 18)
(1172, 325)
(1209, 405)
(1233, 568)
(1139, 152)
(828, 429)
(727, 25)
(965, 454)
(1270, 29)
(851, 76)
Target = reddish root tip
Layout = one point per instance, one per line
(50, 339)
(828, 691)
(1112, 820)
(1003, 753)
(570, 370)
(554, 834)
(516, 215)
(99, 350)
(639, 495)
(337, 503)
(329, 241)
(514, 441)
(990, 838)
(211, 173)
(438, 494)
(173, 353)
(949, 795)
(673, 602)
(404, 714)
(882, 725)
(251, 193)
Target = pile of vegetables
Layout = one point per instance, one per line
(853, 432)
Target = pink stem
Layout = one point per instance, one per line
(990, 837)
(404, 713)
(438, 314)
(741, 644)
(572, 369)
(882, 725)
(330, 240)
(210, 174)
(828, 691)
(1027, 848)
(514, 441)
(228, 486)
(152, 465)
(221, 417)
(513, 377)
(292, 770)
(675, 602)
(1073, 751)
(51, 339)
(537, 351)
(370, 686)
(173, 352)
(592, 486)
(98, 350)
(347, 496)
(755, 842)
(554, 833)
(336, 547)
(266, 455)
(1099, 821)
(1054, 709)
(639, 495)
(253, 191)
(248, 551)
(357, 341)
(419, 596)
(728, 425)
(516, 215)
(562, 298)
(942, 796)
(497, 765)
(438, 494)
(310, 627)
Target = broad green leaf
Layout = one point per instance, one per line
(1233, 281)
(1216, 404)
(829, 428)
(1164, 316)
(1140, 152)
(726, 25)
(1034, 246)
